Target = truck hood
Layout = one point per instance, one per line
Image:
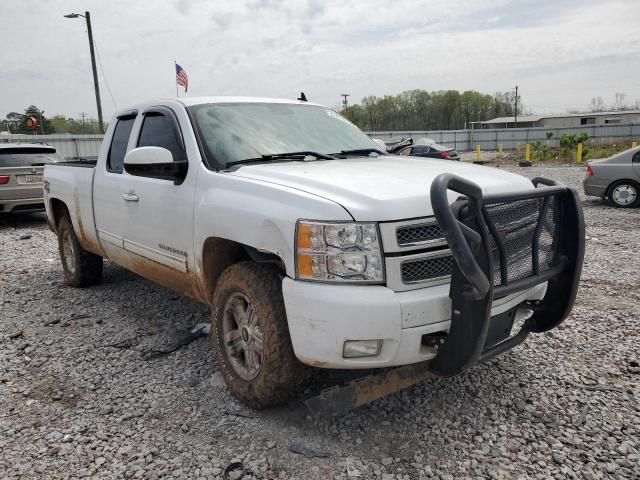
(382, 188)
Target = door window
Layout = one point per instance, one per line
(119, 142)
(159, 130)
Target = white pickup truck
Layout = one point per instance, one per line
(313, 247)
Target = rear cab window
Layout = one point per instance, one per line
(119, 142)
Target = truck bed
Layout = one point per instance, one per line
(83, 162)
(74, 187)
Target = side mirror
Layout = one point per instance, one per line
(155, 162)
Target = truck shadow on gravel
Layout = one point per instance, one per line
(19, 221)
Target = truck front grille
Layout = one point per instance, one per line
(516, 224)
(426, 269)
(416, 254)
(418, 234)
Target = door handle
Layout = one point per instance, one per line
(130, 197)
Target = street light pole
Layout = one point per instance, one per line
(96, 86)
(95, 72)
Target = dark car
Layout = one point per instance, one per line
(21, 167)
(431, 150)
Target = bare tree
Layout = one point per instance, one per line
(619, 102)
(597, 104)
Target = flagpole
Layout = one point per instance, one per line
(175, 78)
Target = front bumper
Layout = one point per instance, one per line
(322, 317)
(508, 249)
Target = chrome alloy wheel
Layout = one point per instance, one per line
(624, 194)
(68, 253)
(242, 336)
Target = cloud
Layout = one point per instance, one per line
(560, 53)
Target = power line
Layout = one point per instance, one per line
(104, 78)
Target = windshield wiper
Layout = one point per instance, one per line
(283, 156)
(360, 151)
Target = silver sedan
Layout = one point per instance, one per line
(616, 179)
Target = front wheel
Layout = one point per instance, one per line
(624, 194)
(251, 336)
(81, 268)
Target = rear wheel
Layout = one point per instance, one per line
(251, 336)
(81, 268)
(624, 194)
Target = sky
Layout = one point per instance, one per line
(560, 53)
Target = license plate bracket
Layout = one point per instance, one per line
(500, 327)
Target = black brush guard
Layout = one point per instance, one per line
(504, 244)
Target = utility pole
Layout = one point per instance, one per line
(516, 112)
(42, 122)
(95, 72)
(344, 99)
(96, 86)
(83, 116)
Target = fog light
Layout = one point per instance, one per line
(361, 348)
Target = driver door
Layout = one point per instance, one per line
(159, 213)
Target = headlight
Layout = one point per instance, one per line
(338, 252)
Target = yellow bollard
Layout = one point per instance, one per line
(579, 154)
(634, 144)
(500, 150)
(518, 151)
(478, 152)
(527, 152)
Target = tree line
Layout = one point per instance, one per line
(618, 104)
(16, 122)
(422, 110)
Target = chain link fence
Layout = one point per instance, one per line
(510, 138)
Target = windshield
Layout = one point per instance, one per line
(232, 132)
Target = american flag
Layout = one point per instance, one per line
(181, 77)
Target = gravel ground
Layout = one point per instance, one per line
(83, 395)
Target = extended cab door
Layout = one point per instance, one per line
(159, 212)
(109, 208)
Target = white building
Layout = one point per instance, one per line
(561, 120)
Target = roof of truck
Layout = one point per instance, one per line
(189, 101)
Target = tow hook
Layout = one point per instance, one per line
(434, 339)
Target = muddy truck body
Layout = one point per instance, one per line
(313, 247)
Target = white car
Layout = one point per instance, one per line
(314, 248)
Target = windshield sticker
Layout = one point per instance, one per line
(337, 116)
